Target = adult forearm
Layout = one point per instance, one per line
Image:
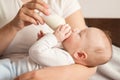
(7, 34)
(79, 72)
(70, 72)
(25, 17)
(76, 20)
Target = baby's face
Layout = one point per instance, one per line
(90, 37)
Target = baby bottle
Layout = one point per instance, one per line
(53, 20)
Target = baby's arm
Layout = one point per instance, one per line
(43, 52)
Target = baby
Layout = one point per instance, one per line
(90, 47)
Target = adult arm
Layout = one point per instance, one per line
(7, 31)
(76, 20)
(73, 72)
(25, 16)
(7, 34)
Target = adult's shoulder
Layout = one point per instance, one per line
(64, 8)
(8, 10)
(69, 7)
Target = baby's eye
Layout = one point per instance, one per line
(80, 34)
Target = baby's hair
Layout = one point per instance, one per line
(108, 36)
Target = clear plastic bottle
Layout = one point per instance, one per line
(53, 20)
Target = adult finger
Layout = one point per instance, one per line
(26, 76)
(41, 2)
(33, 14)
(37, 6)
(27, 18)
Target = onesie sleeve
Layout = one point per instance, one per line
(69, 7)
(44, 52)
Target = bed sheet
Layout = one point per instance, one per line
(110, 70)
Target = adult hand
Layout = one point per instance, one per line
(27, 14)
(70, 72)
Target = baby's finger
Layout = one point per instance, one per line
(38, 35)
(59, 28)
(42, 34)
(68, 34)
(67, 28)
(62, 27)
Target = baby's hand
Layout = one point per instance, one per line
(40, 35)
(63, 32)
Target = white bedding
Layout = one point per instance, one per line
(110, 70)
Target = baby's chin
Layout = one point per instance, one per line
(65, 42)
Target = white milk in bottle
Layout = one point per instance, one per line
(53, 20)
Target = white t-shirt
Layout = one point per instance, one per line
(27, 36)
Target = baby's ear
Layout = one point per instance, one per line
(80, 55)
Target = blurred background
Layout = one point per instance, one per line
(100, 8)
(104, 14)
